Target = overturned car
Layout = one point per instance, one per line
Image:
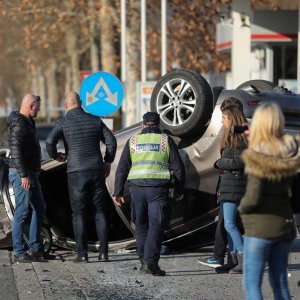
(190, 111)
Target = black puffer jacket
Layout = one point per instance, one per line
(232, 179)
(82, 133)
(24, 144)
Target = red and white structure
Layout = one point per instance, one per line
(263, 43)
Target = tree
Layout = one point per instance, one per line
(48, 32)
(47, 42)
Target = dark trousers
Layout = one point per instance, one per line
(87, 190)
(151, 216)
(221, 236)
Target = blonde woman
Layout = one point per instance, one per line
(271, 160)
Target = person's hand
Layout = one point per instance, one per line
(246, 132)
(107, 168)
(61, 157)
(118, 200)
(178, 197)
(25, 182)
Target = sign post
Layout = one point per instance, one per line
(143, 96)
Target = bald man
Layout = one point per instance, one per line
(23, 174)
(87, 169)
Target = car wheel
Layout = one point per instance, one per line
(184, 101)
(260, 85)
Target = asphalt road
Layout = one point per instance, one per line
(120, 278)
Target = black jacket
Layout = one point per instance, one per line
(175, 165)
(82, 133)
(233, 181)
(24, 144)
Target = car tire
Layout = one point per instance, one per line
(260, 85)
(184, 100)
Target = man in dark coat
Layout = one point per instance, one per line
(82, 133)
(146, 162)
(24, 169)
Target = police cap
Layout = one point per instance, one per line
(151, 118)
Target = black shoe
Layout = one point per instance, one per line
(49, 256)
(37, 256)
(153, 269)
(224, 269)
(25, 258)
(103, 257)
(81, 259)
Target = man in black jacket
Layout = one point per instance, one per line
(23, 174)
(146, 162)
(82, 133)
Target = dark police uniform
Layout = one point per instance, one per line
(146, 162)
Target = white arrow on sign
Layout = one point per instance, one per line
(111, 98)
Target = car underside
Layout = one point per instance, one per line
(190, 112)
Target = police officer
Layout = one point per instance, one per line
(146, 161)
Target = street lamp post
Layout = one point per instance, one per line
(123, 40)
(143, 40)
(164, 37)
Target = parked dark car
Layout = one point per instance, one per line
(190, 112)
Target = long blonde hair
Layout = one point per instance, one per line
(267, 127)
(236, 117)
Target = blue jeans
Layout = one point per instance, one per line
(235, 240)
(24, 202)
(257, 252)
(87, 191)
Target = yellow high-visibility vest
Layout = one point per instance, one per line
(150, 156)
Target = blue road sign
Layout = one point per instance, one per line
(101, 94)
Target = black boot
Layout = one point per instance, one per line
(239, 268)
(81, 259)
(103, 257)
(153, 269)
(231, 263)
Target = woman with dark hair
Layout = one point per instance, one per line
(271, 161)
(232, 181)
(220, 246)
